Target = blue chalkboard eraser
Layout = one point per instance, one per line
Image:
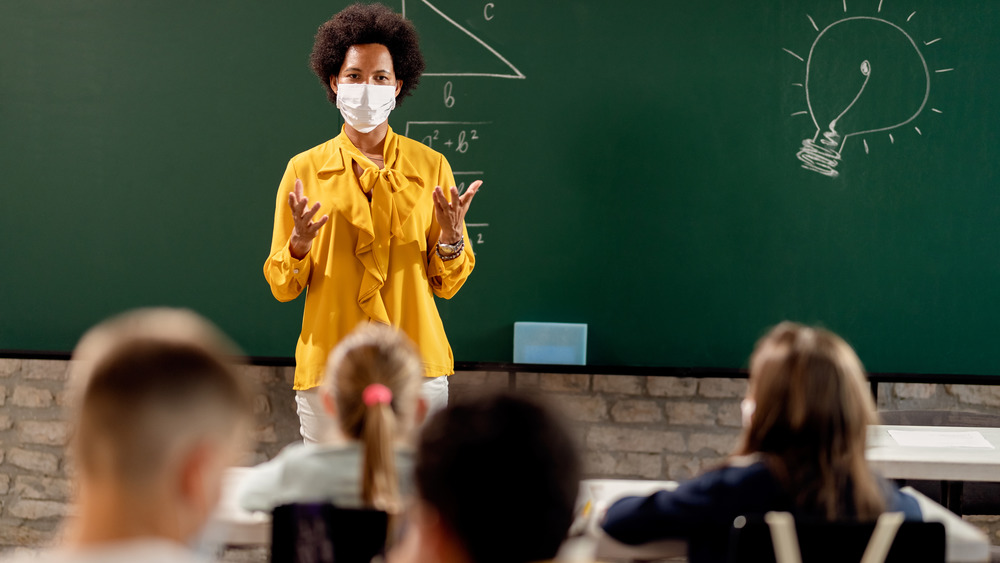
(550, 343)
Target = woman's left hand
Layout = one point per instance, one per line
(451, 214)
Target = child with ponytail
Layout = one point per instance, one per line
(371, 389)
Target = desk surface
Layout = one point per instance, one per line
(239, 527)
(595, 497)
(948, 463)
(230, 524)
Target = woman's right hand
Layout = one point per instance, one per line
(305, 228)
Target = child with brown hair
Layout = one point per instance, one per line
(371, 389)
(805, 418)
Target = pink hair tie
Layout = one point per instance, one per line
(376, 393)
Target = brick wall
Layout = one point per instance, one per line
(627, 426)
(638, 427)
(927, 396)
(33, 434)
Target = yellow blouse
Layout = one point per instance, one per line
(371, 262)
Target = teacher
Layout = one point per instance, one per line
(369, 221)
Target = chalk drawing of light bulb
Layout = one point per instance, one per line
(863, 75)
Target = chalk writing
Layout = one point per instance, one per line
(487, 12)
(828, 77)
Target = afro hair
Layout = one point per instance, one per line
(360, 24)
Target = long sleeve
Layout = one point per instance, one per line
(286, 275)
(263, 484)
(706, 504)
(314, 473)
(447, 276)
(702, 510)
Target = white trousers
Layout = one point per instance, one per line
(315, 424)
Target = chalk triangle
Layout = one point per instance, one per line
(451, 49)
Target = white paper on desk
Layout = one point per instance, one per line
(938, 439)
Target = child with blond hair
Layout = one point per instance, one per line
(371, 391)
(158, 414)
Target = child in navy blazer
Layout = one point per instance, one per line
(802, 451)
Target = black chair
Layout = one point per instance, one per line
(837, 542)
(323, 533)
(973, 497)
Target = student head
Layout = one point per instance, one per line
(379, 32)
(158, 415)
(372, 388)
(812, 409)
(497, 478)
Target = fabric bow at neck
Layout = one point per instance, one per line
(391, 205)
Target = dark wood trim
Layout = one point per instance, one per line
(510, 367)
(34, 355)
(601, 370)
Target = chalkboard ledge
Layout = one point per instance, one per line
(510, 367)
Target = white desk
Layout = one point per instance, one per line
(595, 497)
(230, 524)
(934, 463)
(235, 526)
(953, 461)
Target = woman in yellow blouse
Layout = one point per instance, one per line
(362, 219)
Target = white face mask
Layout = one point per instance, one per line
(365, 106)
(747, 408)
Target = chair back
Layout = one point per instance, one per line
(323, 533)
(835, 542)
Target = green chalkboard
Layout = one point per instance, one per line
(641, 163)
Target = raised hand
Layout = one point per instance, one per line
(451, 214)
(305, 228)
